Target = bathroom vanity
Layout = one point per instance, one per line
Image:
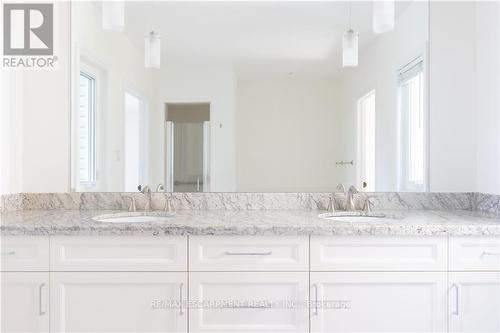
(251, 271)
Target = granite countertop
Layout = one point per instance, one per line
(251, 222)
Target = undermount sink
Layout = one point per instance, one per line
(134, 217)
(353, 216)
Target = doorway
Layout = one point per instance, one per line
(188, 147)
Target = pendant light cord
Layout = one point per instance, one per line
(350, 9)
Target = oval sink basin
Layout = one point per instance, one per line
(134, 217)
(353, 216)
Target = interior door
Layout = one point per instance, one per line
(188, 157)
(25, 302)
(378, 302)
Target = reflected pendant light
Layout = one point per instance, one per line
(152, 50)
(350, 46)
(383, 16)
(113, 15)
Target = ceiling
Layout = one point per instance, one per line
(257, 37)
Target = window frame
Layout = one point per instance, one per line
(361, 134)
(143, 133)
(92, 126)
(414, 68)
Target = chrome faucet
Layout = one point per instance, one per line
(349, 199)
(331, 203)
(341, 188)
(168, 204)
(146, 190)
(160, 188)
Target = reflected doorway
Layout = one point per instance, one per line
(187, 147)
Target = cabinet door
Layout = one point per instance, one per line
(118, 302)
(378, 302)
(474, 302)
(249, 302)
(25, 302)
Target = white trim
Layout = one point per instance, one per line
(360, 172)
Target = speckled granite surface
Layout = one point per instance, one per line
(251, 222)
(235, 201)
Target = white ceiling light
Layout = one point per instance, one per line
(383, 16)
(113, 15)
(350, 45)
(152, 50)
(350, 48)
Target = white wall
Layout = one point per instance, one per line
(452, 100)
(377, 70)
(487, 41)
(11, 138)
(121, 65)
(36, 111)
(286, 135)
(214, 84)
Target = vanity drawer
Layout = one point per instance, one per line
(474, 253)
(118, 253)
(250, 302)
(207, 253)
(374, 253)
(21, 253)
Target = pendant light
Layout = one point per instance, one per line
(383, 15)
(113, 15)
(152, 50)
(350, 45)
(152, 47)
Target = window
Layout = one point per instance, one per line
(413, 152)
(366, 142)
(87, 129)
(135, 142)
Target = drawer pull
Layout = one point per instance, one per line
(40, 311)
(9, 253)
(454, 286)
(315, 286)
(229, 253)
(181, 286)
(490, 254)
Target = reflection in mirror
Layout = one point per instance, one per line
(187, 140)
(249, 96)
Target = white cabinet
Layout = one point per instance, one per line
(378, 253)
(474, 302)
(119, 253)
(474, 253)
(269, 253)
(249, 302)
(250, 284)
(378, 302)
(24, 253)
(118, 302)
(25, 302)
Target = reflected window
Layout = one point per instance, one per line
(413, 152)
(135, 142)
(366, 142)
(87, 113)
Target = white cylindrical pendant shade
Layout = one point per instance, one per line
(113, 15)
(383, 16)
(350, 49)
(152, 50)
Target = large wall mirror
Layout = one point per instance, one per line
(249, 96)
